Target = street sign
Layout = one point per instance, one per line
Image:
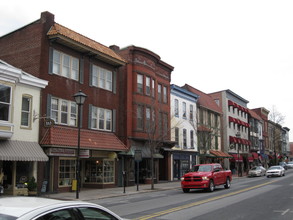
(137, 155)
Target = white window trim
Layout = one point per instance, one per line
(70, 114)
(103, 78)
(95, 117)
(61, 65)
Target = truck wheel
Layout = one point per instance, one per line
(228, 183)
(211, 186)
(186, 190)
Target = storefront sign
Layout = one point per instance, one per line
(61, 152)
(84, 153)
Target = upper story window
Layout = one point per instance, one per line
(64, 112)
(176, 107)
(177, 135)
(65, 65)
(148, 85)
(159, 92)
(192, 139)
(184, 138)
(148, 118)
(191, 112)
(102, 78)
(5, 102)
(139, 117)
(184, 109)
(153, 87)
(140, 83)
(101, 119)
(165, 95)
(26, 111)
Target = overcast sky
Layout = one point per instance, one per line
(245, 46)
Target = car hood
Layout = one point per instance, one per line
(197, 174)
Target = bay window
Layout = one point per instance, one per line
(5, 102)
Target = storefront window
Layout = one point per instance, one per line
(66, 172)
(100, 171)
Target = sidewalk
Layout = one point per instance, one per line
(94, 194)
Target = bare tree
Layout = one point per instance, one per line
(276, 119)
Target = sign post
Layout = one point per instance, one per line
(137, 158)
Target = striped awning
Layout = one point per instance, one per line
(11, 150)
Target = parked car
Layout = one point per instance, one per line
(206, 176)
(26, 208)
(257, 171)
(290, 165)
(275, 171)
(284, 165)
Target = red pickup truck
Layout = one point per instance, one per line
(206, 176)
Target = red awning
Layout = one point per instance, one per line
(230, 102)
(250, 159)
(237, 157)
(255, 155)
(221, 154)
(89, 139)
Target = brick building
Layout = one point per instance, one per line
(145, 112)
(71, 62)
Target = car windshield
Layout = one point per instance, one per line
(255, 168)
(203, 168)
(275, 168)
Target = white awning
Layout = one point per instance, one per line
(11, 150)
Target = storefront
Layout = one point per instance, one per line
(182, 163)
(18, 164)
(98, 157)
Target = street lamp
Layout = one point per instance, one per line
(79, 99)
(238, 154)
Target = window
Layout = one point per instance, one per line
(66, 172)
(191, 112)
(148, 85)
(59, 215)
(165, 125)
(102, 78)
(159, 92)
(140, 83)
(176, 107)
(5, 102)
(184, 138)
(65, 65)
(184, 109)
(100, 171)
(191, 139)
(165, 96)
(139, 117)
(94, 213)
(177, 136)
(26, 111)
(153, 87)
(148, 118)
(101, 119)
(64, 112)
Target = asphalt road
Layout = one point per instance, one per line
(248, 198)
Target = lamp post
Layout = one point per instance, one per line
(238, 154)
(79, 99)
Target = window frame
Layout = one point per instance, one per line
(139, 83)
(59, 63)
(101, 78)
(9, 104)
(71, 114)
(101, 119)
(176, 107)
(28, 112)
(72, 174)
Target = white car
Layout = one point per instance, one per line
(290, 164)
(257, 171)
(275, 171)
(37, 208)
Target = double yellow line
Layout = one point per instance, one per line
(178, 208)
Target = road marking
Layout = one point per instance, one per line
(283, 212)
(178, 208)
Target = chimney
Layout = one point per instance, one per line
(115, 48)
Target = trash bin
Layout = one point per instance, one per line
(74, 185)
